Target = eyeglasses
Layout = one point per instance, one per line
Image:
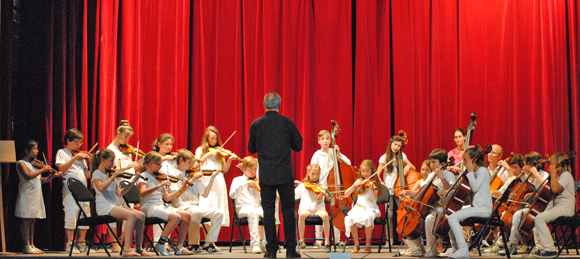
(159, 164)
(78, 142)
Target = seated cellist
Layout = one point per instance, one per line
(443, 181)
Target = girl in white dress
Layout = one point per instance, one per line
(29, 203)
(364, 212)
(107, 191)
(214, 160)
(312, 204)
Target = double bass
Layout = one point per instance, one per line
(404, 182)
(455, 197)
(341, 175)
(412, 223)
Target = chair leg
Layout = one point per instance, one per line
(116, 239)
(388, 236)
(73, 240)
(382, 238)
(148, 239)
(243, 239)
(232, 236)
(505, 242)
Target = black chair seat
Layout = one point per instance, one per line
(380, 221)
(154, 221)
(313, 221)
(96, 220)
(472, 221)
(567, 221)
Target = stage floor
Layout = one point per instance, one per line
(238, 252)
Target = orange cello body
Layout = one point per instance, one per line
(412, 216)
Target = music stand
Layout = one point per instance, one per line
(7, 155)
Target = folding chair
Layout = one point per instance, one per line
(384, 220)
(239, 222)
(133, 196)
(572, 224)
(490, 222)
(315, 220)
(82, 194)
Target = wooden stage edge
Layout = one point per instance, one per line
(238, 252)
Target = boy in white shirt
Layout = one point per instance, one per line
(72, 164)
(245, 190)
(324, 159)
(189, 201)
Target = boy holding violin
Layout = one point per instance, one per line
(73, 166)
(189, 200)
(324, 158)
(245, 190)
(311, 197)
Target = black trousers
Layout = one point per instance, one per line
(287, 202)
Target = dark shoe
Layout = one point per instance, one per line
(270, 255)
(545, 254)
(292, 254)
(327, 248)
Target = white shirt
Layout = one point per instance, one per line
(244, 195)
(77, 169)
(122, 158)
(308, 199)
(191, 196)
(326, 163)
(535, 182)
(390, 179)
(156, 198)
(108, 195)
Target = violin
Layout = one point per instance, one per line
(130, 150)
(39, 165)
(162, 177)
(124, 175)
(316, 189)
(205, 172)
(224, 153)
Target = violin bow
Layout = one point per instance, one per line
(93, 148)
(136, 153)
(378, 170)
(229, 138)
(45, 162)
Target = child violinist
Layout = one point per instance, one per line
(215, 160)
(563, 204)
(364, 212)
(73, 166)
(189, 201)
(152, 203)
(29, 203)
(123, 161)
(442, 179)
(107, 191)
(324, 158)
(390, 174)
(246, 190)
(481, 205)
(312, 204)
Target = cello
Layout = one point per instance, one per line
(495, 181)
(455, 197)
(341, 175)
(412, 222)
(542, 196)
(515, 201)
